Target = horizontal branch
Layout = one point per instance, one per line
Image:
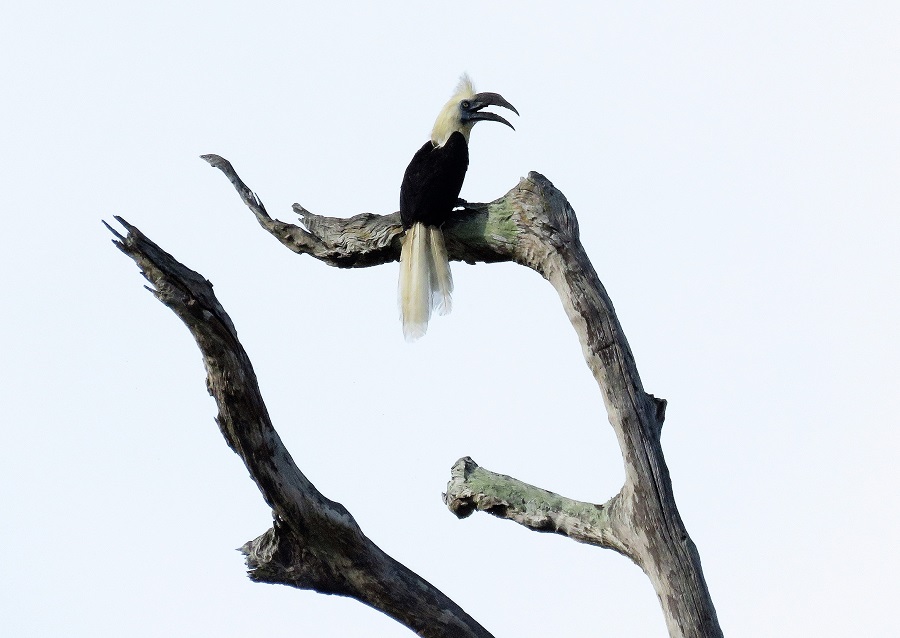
(314, 543)
(477, 232)
(474, 488)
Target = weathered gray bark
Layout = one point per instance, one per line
(314, 542)
(535, 226)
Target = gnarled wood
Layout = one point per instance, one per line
(535, 226)
(314, 543)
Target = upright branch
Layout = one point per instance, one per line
(314, 542)
(534, 225)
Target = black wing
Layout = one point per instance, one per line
(432, 182)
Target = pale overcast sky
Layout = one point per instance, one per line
(734, 167)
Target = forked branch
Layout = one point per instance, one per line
(535, 226)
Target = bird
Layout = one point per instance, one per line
(428, 194)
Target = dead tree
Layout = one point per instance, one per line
(316, 544)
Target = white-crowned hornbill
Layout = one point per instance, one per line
(428, 194)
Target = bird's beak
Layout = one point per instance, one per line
(481, 100)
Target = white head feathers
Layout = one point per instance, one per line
(449, 119)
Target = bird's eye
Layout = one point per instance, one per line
(465, 104)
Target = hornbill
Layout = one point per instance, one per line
(428, 194)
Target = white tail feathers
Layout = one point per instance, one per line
(425, 280)
(441, 278)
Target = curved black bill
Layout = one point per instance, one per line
(482, 100)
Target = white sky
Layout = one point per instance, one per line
(734, 167)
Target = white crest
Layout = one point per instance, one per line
(448, 121)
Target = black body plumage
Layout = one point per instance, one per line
(430, 190)
(432, 182)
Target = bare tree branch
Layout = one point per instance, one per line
(369, 240)
(314, 543)
(474, 488)
(535, 226)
